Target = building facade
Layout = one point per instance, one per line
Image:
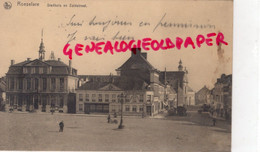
(40, 85)
(146, 89)
(203, 96)
(222, 96)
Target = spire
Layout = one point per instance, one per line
(180, 67)
(42, 49)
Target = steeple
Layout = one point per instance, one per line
(180, 67)
(42, 50)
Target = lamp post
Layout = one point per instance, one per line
(121, 99)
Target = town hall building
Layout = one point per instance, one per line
(41, 85)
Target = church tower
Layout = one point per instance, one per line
(42, 50)
(180, 67)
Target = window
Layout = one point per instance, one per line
(106, 97)
(36, 83)
(61, 102)
(113, 108)
(28, 83)
(87, 97)
(80, 107)
(11, 100)
(32, 70)
(99, 97)
(134, 108)
(25, 70)
(20, 100)
(113, 98)
(44, 83)
(61, 84)
(53, 83)
(40, 70)
(11, 83)
(20, 83)
(53, 101)
(127, 98)
(141, 108)
(127, 108)
(80, 97)
(44, 69)
(141, 99)
(37, 70)
(149, 98)
(93, 97)
(29, 70)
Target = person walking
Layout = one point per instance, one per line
(108, 118)
(61, 124)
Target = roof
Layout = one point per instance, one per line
(124, 83)
(136, 62)
(103, 78)
(225, 79)
(58, 67)
(204, 90)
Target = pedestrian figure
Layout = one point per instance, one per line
(61, 124)
(108, 118)
(115, 115)
(214, 121)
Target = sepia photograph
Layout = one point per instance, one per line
(116, 75)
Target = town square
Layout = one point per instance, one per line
(31, 131)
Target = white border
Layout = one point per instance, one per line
(246, 67)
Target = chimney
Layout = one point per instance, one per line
(58, 59)
(136, 51)
(70, 67)
(28, 59)
(144, 55)
(12, 62)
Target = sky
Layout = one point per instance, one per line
(21, 32)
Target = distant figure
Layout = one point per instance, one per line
(61, 124)
(115, 115)
(214, 121)
(108, 118)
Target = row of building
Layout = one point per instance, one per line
(219, 97)
(51, 85)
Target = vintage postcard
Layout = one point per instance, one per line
(117, 75)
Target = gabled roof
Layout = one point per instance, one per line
(204, 90)
(136, 62)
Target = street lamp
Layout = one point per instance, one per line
(121, 99)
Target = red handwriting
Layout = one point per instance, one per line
(146, 44)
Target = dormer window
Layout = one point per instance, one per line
(32, 70)
(25, 70)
